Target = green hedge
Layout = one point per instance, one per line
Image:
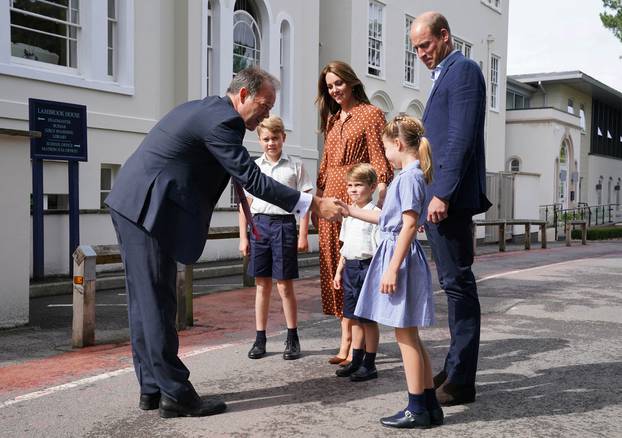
(599, 233)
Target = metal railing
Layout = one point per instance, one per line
(559, 217)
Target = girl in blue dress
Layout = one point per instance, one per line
(397, 290)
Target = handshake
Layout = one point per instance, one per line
(331, 209)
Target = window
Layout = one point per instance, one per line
(45, 31)
(494, 82)
(87, 44)
(582, 117)
(606, 139)
(571, 106)
(108, 173)
(285, 94)
(410, 55)
(514, 165)
(56, 201)
(112, 37)
(246, 37)
(516, 100)
(494, 4)
(463, 47)
(375, 47)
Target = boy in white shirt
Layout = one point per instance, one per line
(360, 241)
(273, 255)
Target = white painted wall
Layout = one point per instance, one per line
(14, 234)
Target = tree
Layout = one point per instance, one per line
(613, 20)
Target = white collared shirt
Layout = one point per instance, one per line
(288, 171)
(360, 239)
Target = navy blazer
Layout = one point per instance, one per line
(170, 185)
(454, 125)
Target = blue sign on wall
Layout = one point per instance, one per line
(62, 127)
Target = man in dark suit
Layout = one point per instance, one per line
(161, 205)
(454, 124)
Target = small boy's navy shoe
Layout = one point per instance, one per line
(258, 350)
(363, 374)
(407, 420)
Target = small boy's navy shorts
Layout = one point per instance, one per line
(352, 281)
(275, 254)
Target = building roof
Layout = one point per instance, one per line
(576, 79)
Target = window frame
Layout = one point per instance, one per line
(495, 7)
(91, 71)
(381, 49)
(409, 50)
(465, 44)
(494, 82)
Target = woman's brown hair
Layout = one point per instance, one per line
(325, 103)
(410, 130)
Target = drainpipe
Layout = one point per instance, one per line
(541, 87)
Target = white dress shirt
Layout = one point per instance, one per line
(360, 239)
(290, 172)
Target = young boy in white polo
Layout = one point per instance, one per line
(274, 255)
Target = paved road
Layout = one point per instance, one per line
(550, 364)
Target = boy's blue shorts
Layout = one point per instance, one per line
(275, 254)
(352, 281)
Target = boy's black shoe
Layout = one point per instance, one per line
(363, 374)
(292, 349)
(407, 420)
(258, 350)
(347, 370)
(149, 402)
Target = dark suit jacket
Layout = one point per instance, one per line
(454, 124)
(171, 183)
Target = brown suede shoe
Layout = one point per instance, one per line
(450, 394)
(336, 360)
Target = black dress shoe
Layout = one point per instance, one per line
(196, 408)
(258, 350)
(407, 420)
(363, 374)
(292, 349)
(437, 417)
(149, 402)
(347, 370)
(440, 378)
(450, 394)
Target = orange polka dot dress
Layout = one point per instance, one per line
(357, 139)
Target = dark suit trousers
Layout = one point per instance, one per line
(452, 249)
(152, 307)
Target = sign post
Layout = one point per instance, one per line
(63, 137)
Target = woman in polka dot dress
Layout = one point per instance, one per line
(352, 129)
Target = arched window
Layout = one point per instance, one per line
(246, 36)
(382, 101)
(514, 165)
(415, 109)
(285, 69)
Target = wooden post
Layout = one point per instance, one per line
(543, 234)
(189, 307)
(83, 325)
(584, 233)
(502, 237)
(568, 234)
(474, 234)
(527, 235)
(181, 296)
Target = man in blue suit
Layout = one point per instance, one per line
(161, 205)
(454, 124)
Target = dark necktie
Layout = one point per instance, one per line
(246, 208)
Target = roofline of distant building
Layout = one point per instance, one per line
(564, 76)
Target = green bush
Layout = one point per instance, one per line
(599, 233)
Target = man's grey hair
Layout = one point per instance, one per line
(251, 78)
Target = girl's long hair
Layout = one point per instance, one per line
(326, 105)
(410, 130)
